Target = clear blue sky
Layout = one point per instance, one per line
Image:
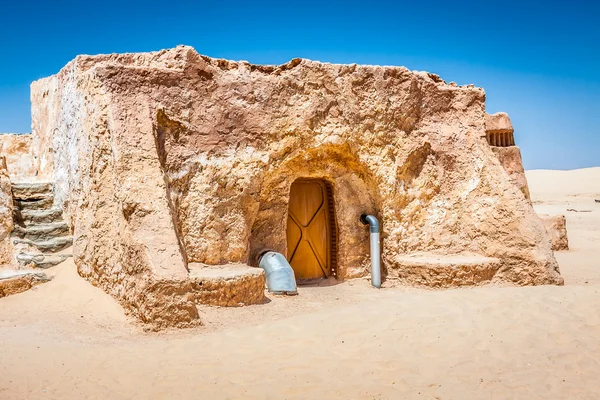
(538, 61)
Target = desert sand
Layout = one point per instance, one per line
(69, 340)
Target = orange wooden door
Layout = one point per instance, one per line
(309, 230)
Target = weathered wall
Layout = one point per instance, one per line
(402, 145)
(511, 161)
(47, 107)
(500, 136)
(6, 216)
(58, 115)
(17, 150)
(113, 195)
(170, 157)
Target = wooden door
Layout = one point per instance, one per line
(310, 229)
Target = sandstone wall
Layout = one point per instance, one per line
(169, 157)
(113, 195)
(58, 114)
(49, 110)
(500, 135)
(6, 216)
(17, 150)
(511, 161)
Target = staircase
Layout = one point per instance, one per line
(40, 231)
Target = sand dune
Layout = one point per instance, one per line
(550, 185)
(68, 340)
(573, 194)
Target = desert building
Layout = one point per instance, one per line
(174, 172)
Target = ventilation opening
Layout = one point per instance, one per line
(500, 139)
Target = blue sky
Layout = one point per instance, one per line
(538, 61)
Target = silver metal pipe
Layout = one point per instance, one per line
(279, 274)
(375, 248)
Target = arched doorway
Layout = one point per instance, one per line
(311, 230)
(354, 189)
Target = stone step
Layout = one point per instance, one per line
(47, 246)
(38, 204)
(229, 285)
(27, 217)
(42, 232)
(13, 282)
(32, 190)
(442, 270)
(41, 260)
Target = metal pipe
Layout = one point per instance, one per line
(375, 248)
(279, 274)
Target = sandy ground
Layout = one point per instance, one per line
(68, 340)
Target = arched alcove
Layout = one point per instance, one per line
(355, 190)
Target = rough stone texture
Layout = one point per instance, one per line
(17, 149)
(442, 271)
(39, 260)
(556, 226)
(51, 236)
(508, 154)
(13, 282)
(113, 195)
(228, 285)
(172, 157)
(45, 107)
(42, 232)
(498, 122)
(32, 191)
(510, 159)
(6, 215)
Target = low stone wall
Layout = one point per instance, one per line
(444, 271)
(16, 282)
(17, 149)
(230, 285)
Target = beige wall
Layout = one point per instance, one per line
(6, 216)
(17, 150)
(500, 136)
(45, 124)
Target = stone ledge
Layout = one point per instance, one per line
(27, 191)
(442, 271)
(13, 282)
(230, 285)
